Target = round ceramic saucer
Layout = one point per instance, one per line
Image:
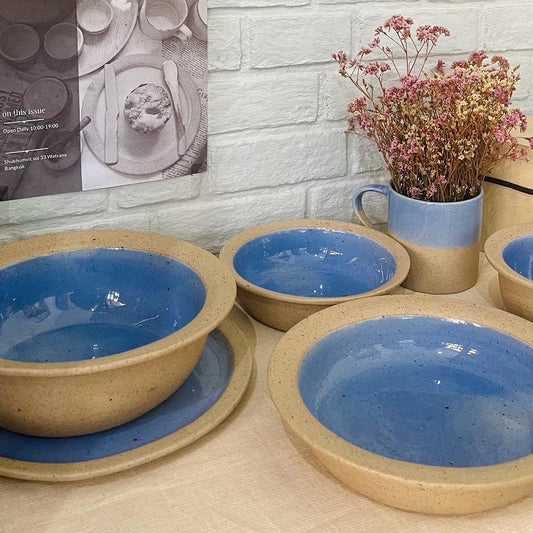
(207, 397)
(140, 153)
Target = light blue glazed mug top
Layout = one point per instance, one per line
(433, 224)
(518, 255)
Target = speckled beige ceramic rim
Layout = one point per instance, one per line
(283, 384)
(495, 245)
(397, 250)
(217, 278)
(238, 330)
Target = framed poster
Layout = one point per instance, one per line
(100, 93)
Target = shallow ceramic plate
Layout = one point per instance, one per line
(423, 403)
(287, 270)
(207, 397)
(140, 153)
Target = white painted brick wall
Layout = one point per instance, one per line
(275, 160)
(314, 45)
(509, 29)
(250, 100)
(276, 108)
(462, 21)
(224, 45)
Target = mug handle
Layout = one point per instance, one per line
(357, 201)
(184, 33)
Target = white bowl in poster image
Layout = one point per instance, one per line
(63, 41)
(94, 16)
(48, 94)
(19, 43)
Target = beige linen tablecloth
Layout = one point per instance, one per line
(248, 475)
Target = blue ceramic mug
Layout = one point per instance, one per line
(442, 238)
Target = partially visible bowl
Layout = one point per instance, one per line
(287, 270)
(68, 155)
(63, 41)
(99, 326)
(419, 402)
(36, 13)
(510, 252)
(94, 16)
(48, 94)
(19, 43)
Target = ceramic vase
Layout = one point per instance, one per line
(442, 238)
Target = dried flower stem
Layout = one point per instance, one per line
(439, 131)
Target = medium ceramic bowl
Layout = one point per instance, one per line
(420, 402)
(510, 252)
(286, 271)
(97, 327)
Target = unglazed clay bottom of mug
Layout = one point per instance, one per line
(427, 265)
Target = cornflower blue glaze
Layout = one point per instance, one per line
(315, 262)
(424, 389)
(86, 304)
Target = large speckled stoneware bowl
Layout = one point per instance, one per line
(419, 402)
(510, 252)
(98, 327)
(287, 270)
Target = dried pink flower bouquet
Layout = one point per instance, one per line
(439, 131)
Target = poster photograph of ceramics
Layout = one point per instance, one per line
(100, 93)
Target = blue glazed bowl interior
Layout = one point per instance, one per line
(423, 389)
(85, 304)
(315, 262)
(518, 255)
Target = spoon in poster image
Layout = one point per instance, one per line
(58, 146)
(171, 73)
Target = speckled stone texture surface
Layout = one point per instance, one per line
(441, 270)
